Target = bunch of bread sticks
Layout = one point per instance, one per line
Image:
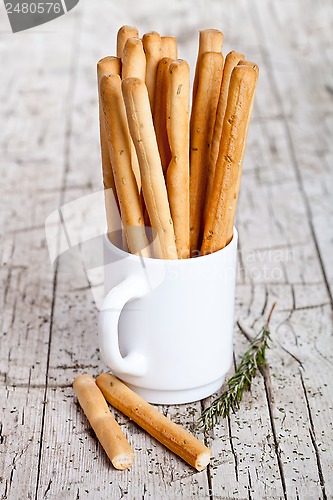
(93, 395)
(173, 167)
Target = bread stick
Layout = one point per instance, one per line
(248, 63)
(134, 65)
(107, 430)
(153, 49)
(231, 60)
(210, 40)
(202, 123)
(124, 33)
(229, 164)
(171, 435)
(160, 113)
(153, 184)
(106, 66)
(169, 47)
(133, 59)
(178, 180)
(120, 153)
(237, 188)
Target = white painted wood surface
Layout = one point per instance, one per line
(279, 445)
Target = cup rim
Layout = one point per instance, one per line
(200, 258)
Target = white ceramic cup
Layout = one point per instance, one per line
(166, 326)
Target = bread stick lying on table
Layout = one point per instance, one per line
(238, 182)
(153, 184)
(229, 164)
(106, 66)
(120, 153)
(160, 111)
(155, 423)
(210, 40)
(108, 432)
(169, 47)
(178, 173)
(231, 60)
(123, 34)
(153, 49)
(202, 125)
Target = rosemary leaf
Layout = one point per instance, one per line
(240, 382)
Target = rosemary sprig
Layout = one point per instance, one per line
(240, 382)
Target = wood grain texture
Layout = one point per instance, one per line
(279, 444)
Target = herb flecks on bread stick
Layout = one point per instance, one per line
(178, 181)
(124, 33)
(153, 183)
(202, 126)
(231, 60)
(120, 153)
(155, 423)
(107, 430)
(153, 49)
(229, 164)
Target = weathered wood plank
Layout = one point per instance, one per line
(260, 460)
(32, 144)
(20, 427)
(276, 445)
(277, 244)
(32, 168)
(84, 471)
(74, 343)
(305, 104)
(304, 116)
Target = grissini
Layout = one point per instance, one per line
(202, 126)
(238, 182)
(123, 34)
(120, 152)
(106, 66)
(250, 64)
(178, 179)
(153, 49)
(133, 59)
(107, 430)
(171, 435)
(153, 183)
(210, 40)
(229, 164)
(134, 65)
(231, 60)
(160, 113)
(169, 47)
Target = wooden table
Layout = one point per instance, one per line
(279, 445)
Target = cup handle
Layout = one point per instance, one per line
(134, 363)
